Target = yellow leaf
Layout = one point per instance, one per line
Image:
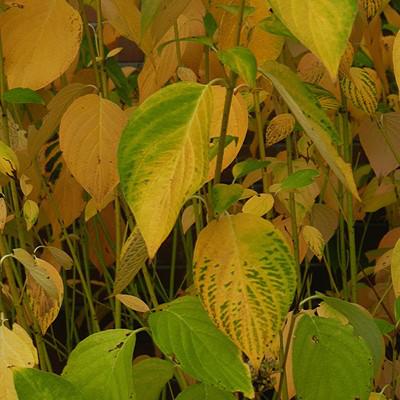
(314, 240)
(323, 26)
(31, 213)
(133, 302)
(372, 7)
(396, 58)
(188, 218)
(360, 88)
(16, 350)
(237, 126)
(3, 214)
(124, 16)
(8, 160)
(395, 268)
(246, 278)
(279, 128)
(89, 134)
(259, 205)
(133, 257)
(377, 396)
(26, 186)
(31, 37)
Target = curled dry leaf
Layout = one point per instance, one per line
(133, 302)
(31, 35)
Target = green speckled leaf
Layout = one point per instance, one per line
(246, 278)
(330, 362)
(163, 157)
(184, 330)
(312, 118)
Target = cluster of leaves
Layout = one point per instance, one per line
(243, 153)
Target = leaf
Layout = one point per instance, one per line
(163, 157)
(31, 213)
(183, 329)
(56, 106)
(225, 196)
(201, 391)
(324, 353)
(396, 58)
(323, 26)
(312, 118)
(22, 96)
(32, 384)
(61, 257)
(157, 17)
(364, 326)
(243, 168)
(101, 365)
(31, 35)
(242, 61)
(314, 239)
(256, 279)
(299, 179)
(16, 350)
(359, 86)
(133, 257)
(377, 396)
(381, 142)
(94, 123)
(395, 269)
(3, 214)
(124, 16)
(372, 7)
(274, 25)
(133, 302)
(9, 164)
(279, 128)
(150, 376)
(259, 205)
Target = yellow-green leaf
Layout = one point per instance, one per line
(395, 268)
(31, 213)
(8, 160)
(246, 278)
(31, 37)
(323, 26)
(312, 118)
(163, 157)
(89, 134)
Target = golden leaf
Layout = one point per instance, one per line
(95, 124)
(314, 240)
(31, 37)
(395, 269)
(133, 302)
(279, 128)
(259, 205)
(246, 278)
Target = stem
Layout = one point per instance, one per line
(117, 255)
(228, 101)
(260, 135)
(103, 75)
(178, 45)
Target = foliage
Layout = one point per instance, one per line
(211, 207)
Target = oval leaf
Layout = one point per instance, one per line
(94, 123)
(256, 278)
(31, 37)
(204, 392)
(183, 329)
(163, 157)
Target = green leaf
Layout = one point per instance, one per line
(299, 179)
(213, 149)
(245, 167)
(384, 326)
(204, 392)
(101, 365)
(274, 25)
(364, 326)
(32, 384)
(150, 376)
(242, 61)
(313, 119)
(210, 24)
(397, 309)
(246, 278)
(163, 157)
(324, 26)
(22, 96)
(224, 196)
(330, 362)
(184, 330)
